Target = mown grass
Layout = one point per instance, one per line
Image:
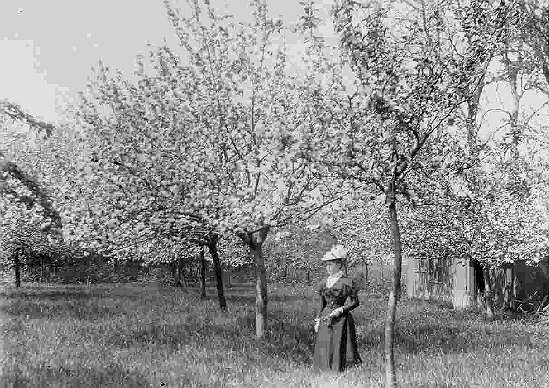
(143, 336)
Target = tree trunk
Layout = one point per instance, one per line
(508, 297)
(517, 290)
(202, 273)
(173, 270)
(212, 248)
(17, 270)
(471, 121)
(176, 273)
(182, 275)
(394, 295)
(260, 291)
(255, 241)
(488, 294)
(512, 70)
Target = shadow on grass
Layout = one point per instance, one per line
(78, 309)
(424, 327)
(72, 292)
(283, 339)
(245, 294)
(288, 337)
(289, 334)
(75, 302)
(52, 295)
(458, 339)
(250, 299)
(78, 376)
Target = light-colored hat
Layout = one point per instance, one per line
(338, 252)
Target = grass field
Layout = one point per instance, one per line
(148, 336)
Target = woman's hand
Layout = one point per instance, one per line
(337, 312)
(317, 325)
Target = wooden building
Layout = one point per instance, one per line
(462, 282)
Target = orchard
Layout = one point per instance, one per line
(413, 129)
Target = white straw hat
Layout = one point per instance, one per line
(338, 252)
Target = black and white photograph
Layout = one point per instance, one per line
(274, 193)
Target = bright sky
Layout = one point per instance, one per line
(47, 48)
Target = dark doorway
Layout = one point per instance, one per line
(479, 277)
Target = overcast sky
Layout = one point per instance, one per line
(48, 47)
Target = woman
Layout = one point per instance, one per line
(336, 345)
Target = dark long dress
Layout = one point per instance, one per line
(336, 345)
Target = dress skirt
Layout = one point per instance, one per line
(336, 344)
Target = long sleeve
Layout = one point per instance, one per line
(352, 300)
(319, 301)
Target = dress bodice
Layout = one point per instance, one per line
(338, 293)
(343, 293)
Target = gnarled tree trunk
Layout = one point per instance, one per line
(255, 241)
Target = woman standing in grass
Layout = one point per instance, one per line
(336, 345)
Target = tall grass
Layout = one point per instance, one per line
(147, 336)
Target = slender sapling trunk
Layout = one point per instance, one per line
(17, 270)
(394, 295)
(260, 292)
(202, 273)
